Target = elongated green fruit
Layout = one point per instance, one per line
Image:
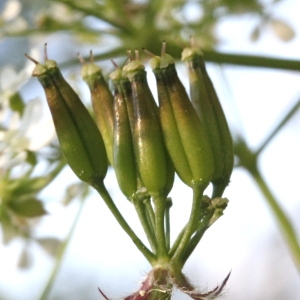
(102, 101)
(205, 99)
(183, 132)
(203, 106)
(149, 146)
(125, 86)
(127, 91)
(123, 150)
(79, 137)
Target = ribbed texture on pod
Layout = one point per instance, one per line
(208, 106)
(183, 132)
(102, 102)
(148, 141)
(79, 137)
(204, 108)
(123, 151)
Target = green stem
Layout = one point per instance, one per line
(248, 160)
(193, 243)
(202, 227)
(150, 212)
(60, 254)
(168, 229)
(94, 12)
(177, 242)
(160, 207)
(211, 56)
(119, 51)
(190, 226)
(148, 229)
(283, 221)
(252, 61)
(287, 117)
(99, 186)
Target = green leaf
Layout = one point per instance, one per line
(255, 34)
(26, 186)
(50, 244)
(31, 158)
(9, 231)
(75, 190)
(16, 103)
(25, 259)
(27, 207)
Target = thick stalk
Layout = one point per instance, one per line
(252, 60)
(160, 207)
(214, 57)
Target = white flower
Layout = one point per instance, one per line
(11, 10)
(11, 20)
(29, 132)
(39, 132)
(11, 81)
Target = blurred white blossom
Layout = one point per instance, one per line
(11, 10)
(11, 81)
(56, 11)
(23, 133)
(18, 25)
(282, 29)
(11, 20)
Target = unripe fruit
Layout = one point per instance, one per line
(79, 137)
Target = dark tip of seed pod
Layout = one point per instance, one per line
(45, 52)
(105, 297)
(148, 52)
(32, 59)
(115, 64)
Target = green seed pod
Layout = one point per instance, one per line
(127, 91)
(208, 106)
(149, 146)
(203, 106)
(125, 86)
(123, 150)
(183, 132)
(102, 101)
(79, 137)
